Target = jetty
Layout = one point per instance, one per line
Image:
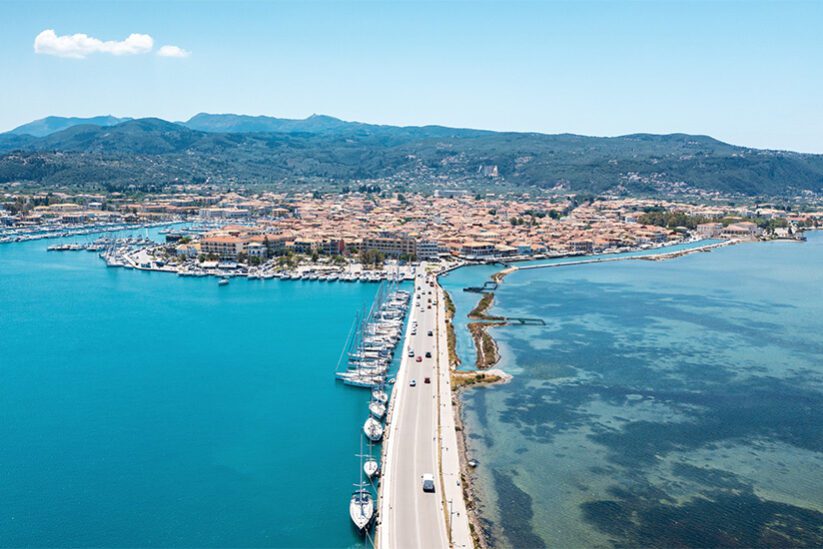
(488, 286)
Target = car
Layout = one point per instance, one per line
(413, 383)
(431, 333)
(430, 306)
(419, 359)
(428, 354)
(411, 352)
(427, 380)
(428, 482)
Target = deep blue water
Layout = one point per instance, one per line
(675, 403)
(145, 409)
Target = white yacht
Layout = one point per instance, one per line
(373, 430)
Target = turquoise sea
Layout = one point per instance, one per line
(145, 409)
(664, 404)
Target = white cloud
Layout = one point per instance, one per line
(78, 46)
(172, 51)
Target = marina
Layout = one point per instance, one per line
(60, 230)
(144, 255)
(365, 362)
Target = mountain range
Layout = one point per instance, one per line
(112, 152)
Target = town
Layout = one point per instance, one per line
(350, 234)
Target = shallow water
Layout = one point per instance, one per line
(663, 404)
(145, 409)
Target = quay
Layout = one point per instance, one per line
(421, 438)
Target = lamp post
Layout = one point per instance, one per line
(451, 521)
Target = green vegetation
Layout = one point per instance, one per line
(672, 220)
(454, 360)
(146, 155)
(372, 258)
(487, 355)
(485, 303)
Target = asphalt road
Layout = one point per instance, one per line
(411, 518)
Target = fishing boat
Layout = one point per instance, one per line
(373, 430)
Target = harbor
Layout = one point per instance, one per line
(60, 230)
(214, 397)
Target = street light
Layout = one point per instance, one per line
(451, 520)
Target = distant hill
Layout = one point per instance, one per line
(240, 123)
(52, 124)
(248, 149)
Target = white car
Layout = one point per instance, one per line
(413, 383)
(428, 482)
(411, 352)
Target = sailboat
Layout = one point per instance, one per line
(370, 466)
(373, 430)
(361, 505)
(377, 409)
(379, 395)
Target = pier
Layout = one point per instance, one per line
(488, 286)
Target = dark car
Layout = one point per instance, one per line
(428, 354)
(431, 333)
(427, 380)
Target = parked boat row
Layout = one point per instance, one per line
(99, 244)
(372, 349)
(59, 230)
(362, 506)
(368, 355)
(141, 255)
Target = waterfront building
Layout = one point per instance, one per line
(427, 249)
(709, 230)
(477, 249)
(746, 230)
(224, 247)
(391, 244)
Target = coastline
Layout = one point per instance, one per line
(459, 381)
(479, 378)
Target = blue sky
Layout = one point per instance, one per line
(748, 72)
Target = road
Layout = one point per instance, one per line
(409, 517)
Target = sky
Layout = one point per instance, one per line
(747, 72)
